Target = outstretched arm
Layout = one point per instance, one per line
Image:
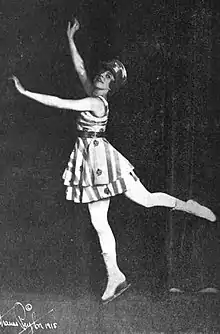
(87, 104)
(77, 59)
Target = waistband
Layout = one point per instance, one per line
(90, 134)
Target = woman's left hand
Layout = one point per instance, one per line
(71, 30)
(18, 85)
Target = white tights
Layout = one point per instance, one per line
(99, 211)
(139, 194)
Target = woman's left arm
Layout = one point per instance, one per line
(88, 103)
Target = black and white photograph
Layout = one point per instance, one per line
(110, 166)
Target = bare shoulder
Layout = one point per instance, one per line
(97, 106)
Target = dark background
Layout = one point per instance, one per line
(166, 122)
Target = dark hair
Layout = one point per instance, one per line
(113, 86)
(118, 71)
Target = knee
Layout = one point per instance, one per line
(139, 194)
(99, 222)
(100, 227)
(98, 215)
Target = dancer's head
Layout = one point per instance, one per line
(111, 77)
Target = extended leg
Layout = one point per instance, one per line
(116, 279)
(139, 194)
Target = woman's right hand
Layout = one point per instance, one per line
(18, 85)
(71, 30)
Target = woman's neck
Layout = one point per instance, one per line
(100, 92)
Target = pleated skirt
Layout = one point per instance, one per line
(96, 170)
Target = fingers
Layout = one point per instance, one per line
(14, 78)
(75, 26)
(16, 81)
(76, 22)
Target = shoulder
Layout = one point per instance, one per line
(99, 106)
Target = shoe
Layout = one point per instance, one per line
(122, 287)
(200, 210)
(114, 280)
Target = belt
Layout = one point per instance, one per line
(90, 134)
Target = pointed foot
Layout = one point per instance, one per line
(200, 210)
(122, 287)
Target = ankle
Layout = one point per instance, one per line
(179, 205)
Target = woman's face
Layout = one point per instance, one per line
(103, 79)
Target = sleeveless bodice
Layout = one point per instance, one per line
(86, 121)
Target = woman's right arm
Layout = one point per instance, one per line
(95, 105)
(77, 59)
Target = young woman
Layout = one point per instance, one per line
(96, 171)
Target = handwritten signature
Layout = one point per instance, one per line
(20, 313)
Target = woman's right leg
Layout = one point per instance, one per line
(98, 214)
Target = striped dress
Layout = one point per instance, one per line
(96, 170)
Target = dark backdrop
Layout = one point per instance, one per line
(166, 122)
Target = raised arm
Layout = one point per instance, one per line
(77, 59)
(95, 105)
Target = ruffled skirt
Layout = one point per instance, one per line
(96, 170)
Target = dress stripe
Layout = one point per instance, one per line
(117, 161)
(95, 170)
(109, 163)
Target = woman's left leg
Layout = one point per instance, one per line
(139, 194)
(98, 213)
